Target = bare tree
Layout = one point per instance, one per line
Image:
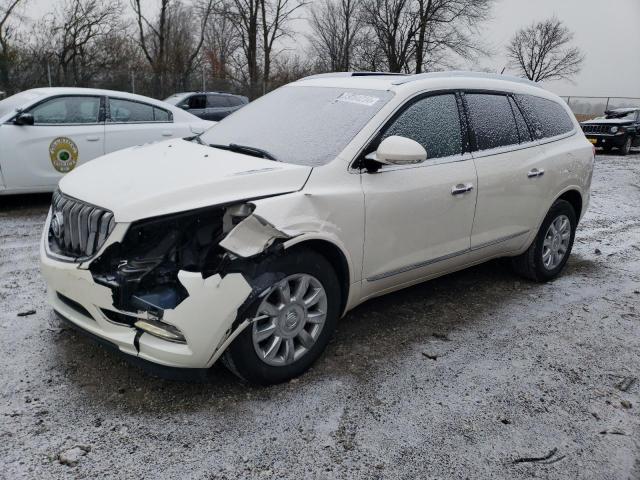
(246, 17)
(75, 30)
(542, 51)
(275, 15)
(221, 41)
(7, 12)
(158, 36)
(447, 27)
(394, 25)
(337, 28)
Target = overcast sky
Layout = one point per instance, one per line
(608, 31)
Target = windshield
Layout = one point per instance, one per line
(622, 115)
(302, 125)
(10, 104)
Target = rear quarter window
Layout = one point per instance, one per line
(546, 117)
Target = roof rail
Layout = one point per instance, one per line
(353, 74)
(465, 74)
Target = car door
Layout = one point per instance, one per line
(217, 107)
(132, 123)
(418, 218)
(68, 130)
(513, 173)
(197, 105)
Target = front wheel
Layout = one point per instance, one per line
(626, 146)
(549, 252)
(292, 322)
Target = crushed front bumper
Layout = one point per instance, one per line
(205, 317)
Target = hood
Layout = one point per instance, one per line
(177, 175)
(607, 121)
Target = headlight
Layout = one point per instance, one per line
(614, 129)
(142, 270)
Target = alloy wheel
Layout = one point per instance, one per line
(556, 242)
(289, 320)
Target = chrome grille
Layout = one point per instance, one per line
(77, 230)
(596, 128)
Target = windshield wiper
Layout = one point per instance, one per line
(246, 149)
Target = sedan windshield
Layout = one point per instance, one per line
(19, 100)
(301, 125)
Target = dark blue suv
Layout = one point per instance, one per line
(208, 105)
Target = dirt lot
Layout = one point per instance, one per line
(522, 370)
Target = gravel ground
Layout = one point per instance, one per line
(467, 376)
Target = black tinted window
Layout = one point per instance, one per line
(523, 129)
(546, 117)
(433, 122)
(217, 101)
(197, 101)
(234, 101)
(492, 120)
(125, 111)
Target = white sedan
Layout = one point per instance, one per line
(47, 132)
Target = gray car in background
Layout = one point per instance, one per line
(208, 105)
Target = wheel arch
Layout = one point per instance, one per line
(336, 257)
(574, 197)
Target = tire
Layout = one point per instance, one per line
(625, 148)
(532, 263)
(242, 356)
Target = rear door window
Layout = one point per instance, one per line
(492, 120)
(523, 129)
(234, 101)
(125, 111)
(161, 115)
(217, 101)
(546, 117)
(433, 122)
(197, 102)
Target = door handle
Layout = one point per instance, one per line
(93, 139)
(167, 133)
(461, 188)
(535, 173)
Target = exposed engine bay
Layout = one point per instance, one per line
(142, 270)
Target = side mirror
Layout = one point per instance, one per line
(24, 119)
(184, 106)
(397, 150)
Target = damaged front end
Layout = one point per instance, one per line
(162, 262)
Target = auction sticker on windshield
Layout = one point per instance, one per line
(63, 153)
(358, 99)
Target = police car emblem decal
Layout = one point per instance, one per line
(63, 153)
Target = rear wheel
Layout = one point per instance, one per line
(549, 252)
(292, 322)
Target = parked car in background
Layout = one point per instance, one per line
(208, 105)
(250, 241)
(47, 132)
(619, 128)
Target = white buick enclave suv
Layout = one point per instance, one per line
(249, 241)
